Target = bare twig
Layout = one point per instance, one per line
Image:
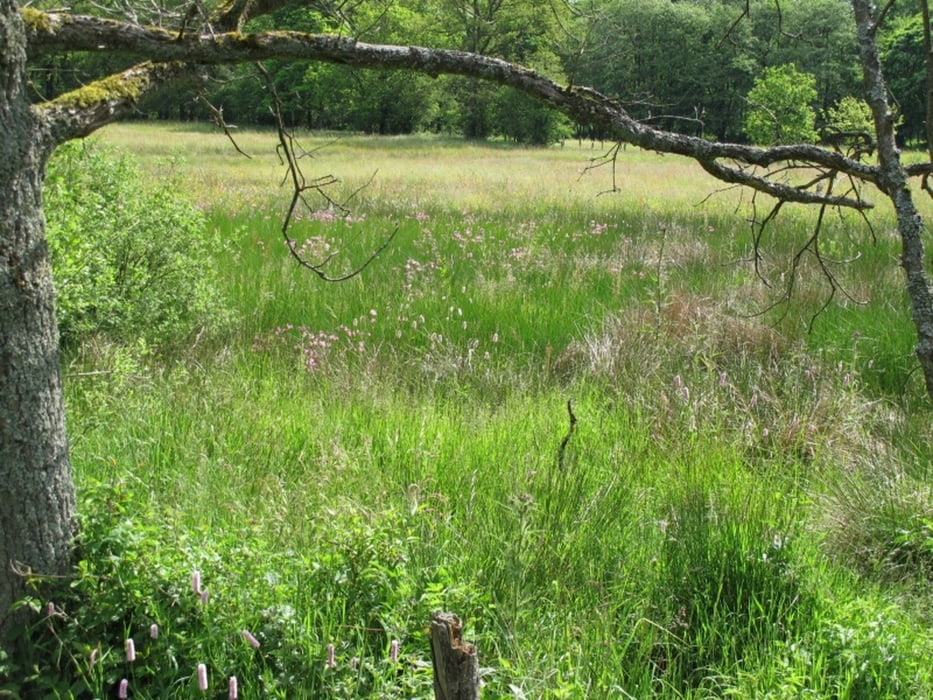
(746, 12)
(217, 116)
(609, 158)
(563, 443)
(290, 152)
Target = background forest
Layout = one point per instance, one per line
(684, 65)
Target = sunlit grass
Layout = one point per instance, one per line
(426, 172)
(740, 509)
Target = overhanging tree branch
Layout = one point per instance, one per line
(81, 112)
(290, 153)
(764, 170)
(59, 32)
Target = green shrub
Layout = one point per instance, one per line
(850, 118)
(130, 258)
(233, 600)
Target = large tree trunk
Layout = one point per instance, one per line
(36, 490)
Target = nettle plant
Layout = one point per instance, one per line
(154, 610)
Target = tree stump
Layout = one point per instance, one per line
(456, 665)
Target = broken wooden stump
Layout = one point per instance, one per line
(456, 665)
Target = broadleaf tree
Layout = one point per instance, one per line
(780, 107)
(36, 489)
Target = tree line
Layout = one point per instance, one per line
(686, 66)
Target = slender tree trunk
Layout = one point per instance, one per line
(928, 50)
(36, 489)
(894, 182)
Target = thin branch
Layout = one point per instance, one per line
(777, 189)
(609, 158)
(290, 152)
(812, 246)
(882, 15)
(746, 12)
(217, 116)
(561, 451)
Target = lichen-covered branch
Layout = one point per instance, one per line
(55, 32)
(778, 190)
(893, 181)
(80, 112)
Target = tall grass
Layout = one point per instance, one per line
(741, 508)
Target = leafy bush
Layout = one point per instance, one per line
(850, 116)
(131, 259)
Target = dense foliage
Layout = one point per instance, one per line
(132, 260)
(686, 66)
(780, 109)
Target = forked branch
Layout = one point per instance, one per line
(290, 152)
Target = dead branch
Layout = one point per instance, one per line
(217, 117)
(290, 152)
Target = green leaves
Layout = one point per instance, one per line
(780, 107)
(130, 259)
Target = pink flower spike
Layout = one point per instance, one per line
(196, 582)
(123, 691)
(331, 663)
(393, 651)
(204, 596)
(51, 609)
(247, 635)
(130, 650)
(202, 677)
(154, 631)
(232, 693)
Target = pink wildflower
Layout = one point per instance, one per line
(232, 693)
(248, 636)
(130, 650)
(202, 677)
(123, 689)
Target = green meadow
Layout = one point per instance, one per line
(741, 506)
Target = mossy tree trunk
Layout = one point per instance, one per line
(36, 491)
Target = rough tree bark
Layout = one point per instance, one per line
(36, 493)
(893, 181)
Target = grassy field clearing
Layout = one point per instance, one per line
(743, 508)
